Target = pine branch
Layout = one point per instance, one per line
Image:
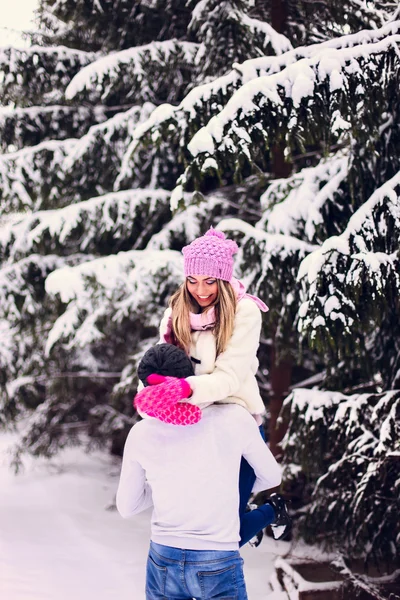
(77, 375)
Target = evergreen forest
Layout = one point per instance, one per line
(128, 128)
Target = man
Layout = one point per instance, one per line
(190, 476)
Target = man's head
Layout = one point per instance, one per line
(165, 359)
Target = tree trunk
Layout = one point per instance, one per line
(280, 370)
(278, 15)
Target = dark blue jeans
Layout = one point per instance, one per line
(177, 574)
(251, 522)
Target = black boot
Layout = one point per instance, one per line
(283, 523)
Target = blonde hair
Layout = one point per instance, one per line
(182, 303)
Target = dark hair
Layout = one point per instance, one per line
(165, 359)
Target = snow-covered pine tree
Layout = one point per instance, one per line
(300, 133)
(64, 129)
(324, 252)
(76, 198)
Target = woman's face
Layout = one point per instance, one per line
(203, 289)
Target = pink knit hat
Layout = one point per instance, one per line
(210, 254)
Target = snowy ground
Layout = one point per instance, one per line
(58, 541)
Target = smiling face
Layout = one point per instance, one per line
(203, 289)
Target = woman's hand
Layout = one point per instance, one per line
(163, 400)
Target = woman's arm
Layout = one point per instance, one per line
(234, 364)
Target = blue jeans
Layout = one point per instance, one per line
(176, 574)
(251, 522)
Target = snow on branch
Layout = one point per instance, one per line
(113, 136)
(38, 75)
(29, 177)
(56, 173)
(14, 284)
(348, 447)
(268, 65)
(350, 275)
(295, 206)
(138, 74)
(278, 42)
(272, 243)
(95, 161)
(268, 264)
(121, 219)
(121, 287)
(332, 89)
(21, 127)
(23, 314)
(208, 100)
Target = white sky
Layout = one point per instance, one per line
(15, 15)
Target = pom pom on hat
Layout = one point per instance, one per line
(210, 254)
(216, 233)
(165, 359)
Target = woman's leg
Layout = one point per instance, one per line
(247, 478)
(254, 521)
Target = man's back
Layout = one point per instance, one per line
(193, 474)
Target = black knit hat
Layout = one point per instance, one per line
(165, 359)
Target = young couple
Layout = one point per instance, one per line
(197, 455)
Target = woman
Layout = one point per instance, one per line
(218, 325)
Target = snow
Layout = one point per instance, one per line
(293, 204)
(109, 67)
(331, 304)
(68, 282)
(201, 142)
(24, 167)
(274, 243)
(300, 583)
(108, 213)
(108, 132)
(124, 283)
(268, 65)
(296, 81)
(58, 540)
(318, 322)
(209, 163)
(159, 115)
(280, 43)
(313, 400)
(14, 286)
(186, 223)
(176, 196)
(360, 221)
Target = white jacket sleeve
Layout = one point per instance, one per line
(235, 362)
(134, 493)
(259, 456)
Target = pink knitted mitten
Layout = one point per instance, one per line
(162, 400)
(182, 413)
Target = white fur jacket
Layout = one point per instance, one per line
(230, 378)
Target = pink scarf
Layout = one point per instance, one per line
(206, 320)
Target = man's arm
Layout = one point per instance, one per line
(259, 456)
(134, 493)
